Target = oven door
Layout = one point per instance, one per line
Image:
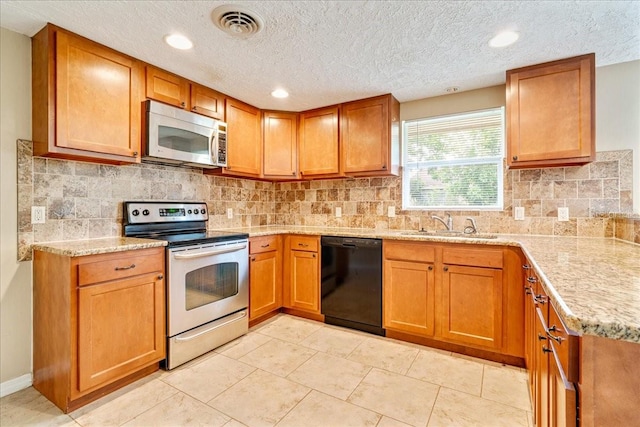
(206, 282)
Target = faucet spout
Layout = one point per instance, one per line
(448, 223)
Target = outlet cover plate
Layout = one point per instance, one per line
(518, 213)
(391, 211)
(38, 214)
(338, 211)
(563, 214)
(230, 213)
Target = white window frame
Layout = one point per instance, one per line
(498, 160)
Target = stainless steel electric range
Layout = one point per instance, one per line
(207, 276)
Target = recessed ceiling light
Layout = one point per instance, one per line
(280, 93)
(178, 41)
(503, 39)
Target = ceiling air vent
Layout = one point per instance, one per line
(236, 21)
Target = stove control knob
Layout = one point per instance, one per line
(135, 212)
(189, 212)
(202, 211)
(145, 212)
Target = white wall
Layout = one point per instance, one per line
(15, 277)
(618, 114)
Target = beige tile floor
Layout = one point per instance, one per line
(295, 372)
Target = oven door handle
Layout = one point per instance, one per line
(206, 331)
(210, 253)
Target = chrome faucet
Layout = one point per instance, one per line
(448, 223)
(471, 229)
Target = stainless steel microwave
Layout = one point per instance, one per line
(181, 137)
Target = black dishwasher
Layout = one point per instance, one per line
(352, 283)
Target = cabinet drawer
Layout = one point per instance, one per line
(565, 343)
(409, 251)
(304, 243)
(491, 258)
(262, 244)
(124, 264)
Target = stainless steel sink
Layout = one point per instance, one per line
(444, 233)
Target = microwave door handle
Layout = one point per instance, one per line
(214, 150)
(210, 253)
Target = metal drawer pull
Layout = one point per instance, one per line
(209, 253)
(266, 246)
(546, 350)
(190, 337)
(553, 337)
(541, 337)
(125, 268)
(526, 267)
(304, 245)
(531, 279)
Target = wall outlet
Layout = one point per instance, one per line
(518, 213)
(338, 211)
(563, 214)
(391, 211)
(38, 214)
(230, 213)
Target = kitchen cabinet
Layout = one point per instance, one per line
(301, 284)
(244, 141)
(265, 275)
(472, 296)
(319, 144)
(174, 90)
(550, 113)
(99, 322)
(280, 141)
(460, 297)
(370, 136)
(409, 287)
(86, 99)
(552, 359)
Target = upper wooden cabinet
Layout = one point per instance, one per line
(319, 145)
(244, 140)
(370, 137)
(280, 141)
(175, 90)
(551, 113)
(86, 99)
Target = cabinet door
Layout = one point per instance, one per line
(265, 283)
(542, 348)
(365, 136)
(551, 113)
(207, 101)
(280, 144)
(166, 87)
(98, 98)
(562, 394)
(472, 305)
(409, 297)
(304, 273)
(319, 144)
(121, 327)
(244, 139)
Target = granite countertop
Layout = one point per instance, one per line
(594, 283)
(97, 246)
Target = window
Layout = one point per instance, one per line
(454, 162)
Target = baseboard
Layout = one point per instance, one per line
(16, 384)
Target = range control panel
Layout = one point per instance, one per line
(153, 212)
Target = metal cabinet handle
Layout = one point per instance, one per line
(253, 259)
(265, 246)
(384, 166)
(314, 255)
(446, 268)
(515, 157)
(304, 245)
(182, 104)
(195, 108)
(546, 350)
(160, 277)
(125, 268)
(541, 337)
(526, 267)
(554, 328)
(293, 173)
(540, 299)
(430, 267)
(532, 279)
(527, 290)
(135, 154)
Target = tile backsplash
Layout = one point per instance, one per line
(84, 200)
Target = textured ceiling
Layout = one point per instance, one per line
(326, 52)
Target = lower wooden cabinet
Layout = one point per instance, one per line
(409, 288)
(457, 296)
(301, 281)
(99, 322)
(265, 275)
(472, 299)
